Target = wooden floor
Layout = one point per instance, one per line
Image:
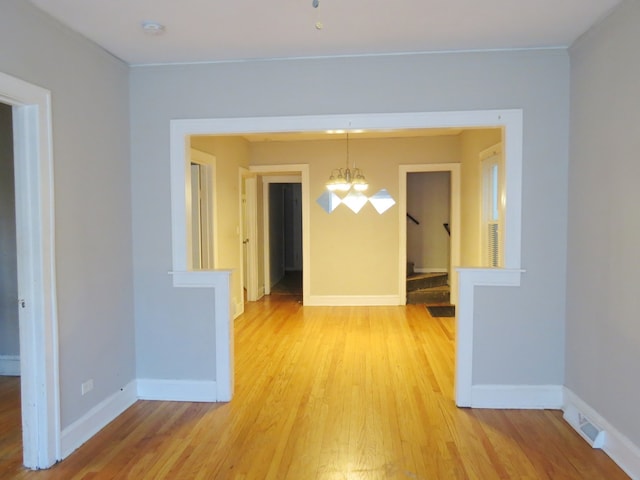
(326, 393)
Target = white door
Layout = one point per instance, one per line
(250, 237)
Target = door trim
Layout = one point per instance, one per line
(35, 219)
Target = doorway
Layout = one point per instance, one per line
(285, 238)
(283, 221)
(428, 237)
(9, 320)
(436, 244)
(35, 246)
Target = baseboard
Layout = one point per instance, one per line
(238, 308)
(352, 300)
(96, 419)
(177, 390)
(621, 450)
(10, 365)
(533, 397)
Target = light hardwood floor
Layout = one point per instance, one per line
(326, 393)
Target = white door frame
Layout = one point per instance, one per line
(33, 159)
(454, 257)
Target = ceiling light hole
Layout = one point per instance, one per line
(152, 28)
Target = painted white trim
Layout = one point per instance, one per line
(279, 178)
(302, 177)
(10, 365)
(455, 215)
(517, 396)
(33, 159)
(177, 390)
(468, 279)
(623, 451)
(219, 281)
(97, 418)
(353, 300)
(238, 309)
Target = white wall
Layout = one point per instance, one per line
(519, 332)
(9, 339)
(603, 333)
(92, 199)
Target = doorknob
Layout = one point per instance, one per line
(245, 241)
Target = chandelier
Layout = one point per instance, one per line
(344, 179)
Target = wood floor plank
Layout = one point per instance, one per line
(325, 393)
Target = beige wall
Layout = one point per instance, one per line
(472, 142)
(356, 254)
(231, 153)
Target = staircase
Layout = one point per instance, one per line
(427, 288)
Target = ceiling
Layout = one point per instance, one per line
(231, 30)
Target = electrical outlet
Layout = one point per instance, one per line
(87, 386)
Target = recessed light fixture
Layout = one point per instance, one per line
(152, 28)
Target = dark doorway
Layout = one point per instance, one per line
(285, 238)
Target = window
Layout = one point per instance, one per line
(493, 206)
(200, 206)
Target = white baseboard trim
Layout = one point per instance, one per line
(238, 309)
(352, 300)
(96, 419)
(10, 365)
(621, 450)
(177, 390)
(517, 396)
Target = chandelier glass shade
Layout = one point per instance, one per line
(344, 179)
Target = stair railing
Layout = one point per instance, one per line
(412, 218)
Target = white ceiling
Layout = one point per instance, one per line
(224, 30)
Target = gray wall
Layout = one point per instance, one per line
(9, 338)
(92, 199)
(603, 334)
(519, 336)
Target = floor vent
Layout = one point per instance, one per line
(593, 434)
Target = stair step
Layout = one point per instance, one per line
(419, 281)
(439, 295)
